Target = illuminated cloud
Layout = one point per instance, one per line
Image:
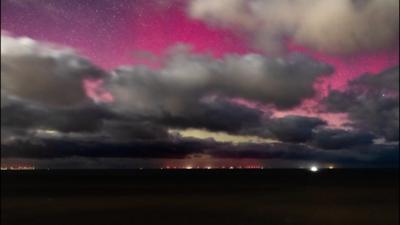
(43, 73)
(339, 27)
(221, 136)
(188, 81)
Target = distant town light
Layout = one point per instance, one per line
(314, 169)
(331, 167)
(19, 168)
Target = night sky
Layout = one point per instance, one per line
(199, 83)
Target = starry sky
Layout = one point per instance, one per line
(153, 83)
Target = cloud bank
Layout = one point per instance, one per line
(46, 114)
(336, 27)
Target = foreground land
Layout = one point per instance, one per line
(220, 197)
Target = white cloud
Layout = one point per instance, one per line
(42, 72)
(333, 26)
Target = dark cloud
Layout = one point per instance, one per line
(294, 128)
(216, 115)
(127, 130)
(342, 26)
(60, 148)
(26, 115)
(381, 155)
(372, 103)
(339, 139)
(24, 120)
(265, 151)
(385, 82)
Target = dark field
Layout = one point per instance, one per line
(220, 197)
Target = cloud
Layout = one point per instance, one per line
(45, 113)
(42, 91)
(62, 148)
(265, 151)
(340, 139)
(215, 115)
(386, 82)
(43, 73)
(69, 149)
(188, 81)
(384, 155)
(338, 27)
(27, 115)
(372, 103)
(294, 128)
(195, 91)
(127, 130)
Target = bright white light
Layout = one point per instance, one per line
(331, 167)
(314, 169)
(189, 167)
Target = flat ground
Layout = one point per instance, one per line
(341, 197)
